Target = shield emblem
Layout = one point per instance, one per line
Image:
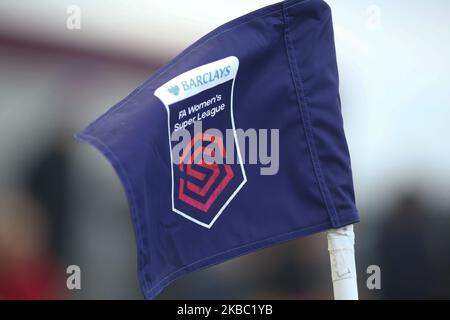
(202, 189)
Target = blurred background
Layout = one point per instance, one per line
(64, 63)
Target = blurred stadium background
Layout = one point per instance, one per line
(62, 204)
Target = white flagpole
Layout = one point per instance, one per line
(343, 268)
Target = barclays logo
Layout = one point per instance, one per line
(200, 80)
(204, 79)
(175, 90)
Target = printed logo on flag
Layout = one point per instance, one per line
(200, 183)
(203, 98)
(175, 90)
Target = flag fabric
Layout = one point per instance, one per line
(273, 69)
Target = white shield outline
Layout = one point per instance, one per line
(168, 98)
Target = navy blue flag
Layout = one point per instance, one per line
(235, 145)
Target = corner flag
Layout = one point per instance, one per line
(199, 190)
